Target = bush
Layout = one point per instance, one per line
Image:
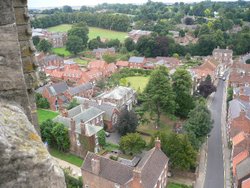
(113, 157)
(41, 102)
(72, 182)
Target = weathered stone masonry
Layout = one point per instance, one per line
(17, 64)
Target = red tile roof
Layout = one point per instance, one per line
(240, 124)
(122, 64)
(97, 65)
(237, 159)
(246, 183)
(238, 138)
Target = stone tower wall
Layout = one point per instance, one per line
(17, 62)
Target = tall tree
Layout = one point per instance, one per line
(132, 143)
(178, 148)
(61, 136)
(74, 44)
(159, 95)
(67, 8)
(199, 123)
(102, 138)
(182, 85)
(129, 44)
(44, 46)
(206, 87)
(35, 40)
(80, 30)
(127, 122)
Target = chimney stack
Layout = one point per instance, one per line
(82, 126)
(86, 104)
(72, 125)
(95, 165)
(136, 178)
(157, 143)
(65, 113)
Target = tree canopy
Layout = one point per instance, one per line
(44, 46)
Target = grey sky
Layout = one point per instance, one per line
(59, 3)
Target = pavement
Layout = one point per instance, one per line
(75, 170)
(114, 138)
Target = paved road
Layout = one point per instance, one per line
(215, 165)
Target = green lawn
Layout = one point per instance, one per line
(60, 28)
(176, 185)
(61, 51)
(43, 115)
(93, 32)
(138, 82)
(81, 61)
(75, 160)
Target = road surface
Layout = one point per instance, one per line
(215, 165)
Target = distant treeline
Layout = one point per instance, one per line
(103, 20)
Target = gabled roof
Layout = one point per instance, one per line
(241, 146)
(109, 169)
(222, 50)
(122, 63)
(243, 169)
(98, 64)
(104, 50)
(80, 88)
(117, 93)
(238, 138)
(52, 58)
(246, 183)
(134, 59)
(151, 166)
(58, 88)
(240, 124)
(239, 158)
(108, 108)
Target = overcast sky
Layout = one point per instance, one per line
(59, 3)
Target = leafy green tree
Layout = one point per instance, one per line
(199, 123)
(41, 102)
(158, 95)
(73, 104)
(72, 182)
(61, 136)
(206, 87)
(74, 44)
(127, 122)
(182, 33)
(123, 50)
(35, 40)
(95, 43)
(80, 30)
(67, 8)
(44, 46)
(189, 21)
(182, 85)
(109, 58)
(178, 148)
(102, 138)
(113, 43)
(132, 143)
(129, 44)
(46, 132)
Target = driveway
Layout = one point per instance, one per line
(114, 138)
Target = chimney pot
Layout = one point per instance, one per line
(157, 143)
(95, 165)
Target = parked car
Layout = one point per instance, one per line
(107, 134)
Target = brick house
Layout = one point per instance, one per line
(51, 60)
(136, 34)
(242, 174)
(58, 40)
(137, 62)
(150, 171)
(84, 90)
(111, 113)
(224, 57)
(54, 93)
(122, 97)
(110, 69)
(83, 123)
(99, 52)
(122, 64)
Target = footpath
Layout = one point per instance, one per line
(75, 170)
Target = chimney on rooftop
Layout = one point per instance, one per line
(96, 165)
(137, 178)
(65, 113)
(157, 143)
(72, 125)
(82, 126)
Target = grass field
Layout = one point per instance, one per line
(176, 185)
(93, 32)
(81, 61)
(66, 157)
(138, 82)
(44, 115)
(61, 51)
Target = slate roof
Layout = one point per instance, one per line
(242, 90)
(223, 50)
(134, 59)
(109, 169)
(108, 108)
(80, 88)
(117, 93)
(58, 88)
(246, 183)
(243, 169)
(104, 50)
(150, 166)
(52, 58)
(236, 106)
